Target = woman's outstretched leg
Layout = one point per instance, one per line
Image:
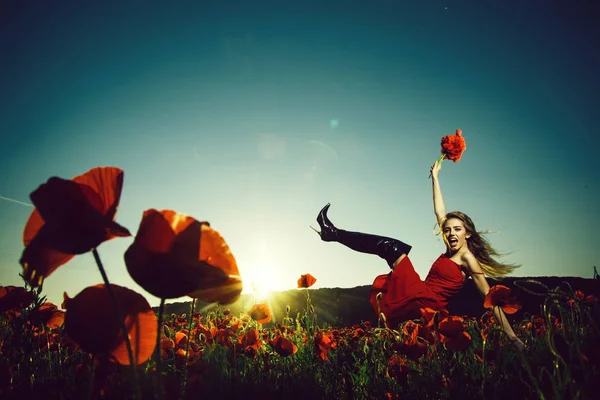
(387, 248)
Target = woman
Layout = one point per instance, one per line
(403, 293)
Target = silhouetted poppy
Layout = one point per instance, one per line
(324, 342)
(49, 315)
(249, 343)
(174, 255)
(260, 312)
(500, 296)
(453, 335)
(181, 339)
(451, 326)
(282, 346)
(14, 298)
(71, 217)
(167, 347)
(413, 344)
(92, 322)
(306, 281)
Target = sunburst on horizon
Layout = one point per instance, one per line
(262, 281)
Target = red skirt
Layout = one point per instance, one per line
(403, 294)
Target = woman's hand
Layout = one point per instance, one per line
(435, 169)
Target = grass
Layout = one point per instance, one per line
(235, 357)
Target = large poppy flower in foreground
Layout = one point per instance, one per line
(174, 255)
(500, 295)
(71, 217)
(92, 322)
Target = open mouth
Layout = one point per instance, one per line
(453, 241)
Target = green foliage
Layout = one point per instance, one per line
(362, 362)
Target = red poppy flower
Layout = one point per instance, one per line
(453, 335)
(500, 296)
(249, 343)
(226, 337)
(260, 313)
(306, 281)
(71, 217)
(324, 342)
(167, 347)
(14, 298)
(250, 339)
(49, 315)
(91, 321)
(451, 326)
(413, 344)
(283, 346)
(461, 342)
(181, 339)
(453, 146)
(174, 255)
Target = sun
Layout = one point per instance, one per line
(261, 281)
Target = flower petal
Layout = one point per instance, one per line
(91, 321)
(174, 255)
(260, 312)
(77, 216)
(39, 261)
(500, 295)
(107, 183)
(451, 326)
(306, 281)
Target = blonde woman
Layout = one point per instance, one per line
(403, 293)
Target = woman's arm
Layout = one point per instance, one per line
(484, 288)
(438, 201)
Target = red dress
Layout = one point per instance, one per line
(404, 293)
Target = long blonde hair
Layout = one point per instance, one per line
(480, 247)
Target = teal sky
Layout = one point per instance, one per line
(253, 115)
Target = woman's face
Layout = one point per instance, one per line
(456, 234)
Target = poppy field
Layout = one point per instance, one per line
(54, 351)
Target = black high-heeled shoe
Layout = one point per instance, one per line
(328, 231)
(389, 249)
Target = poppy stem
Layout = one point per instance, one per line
(187, 349)
(439, 160)
(111, 294)
(158, 354)
(91, 377)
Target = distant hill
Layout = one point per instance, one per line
(345, 307)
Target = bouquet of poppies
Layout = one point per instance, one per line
(452, 147)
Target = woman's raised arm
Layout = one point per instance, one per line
(438, 201)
